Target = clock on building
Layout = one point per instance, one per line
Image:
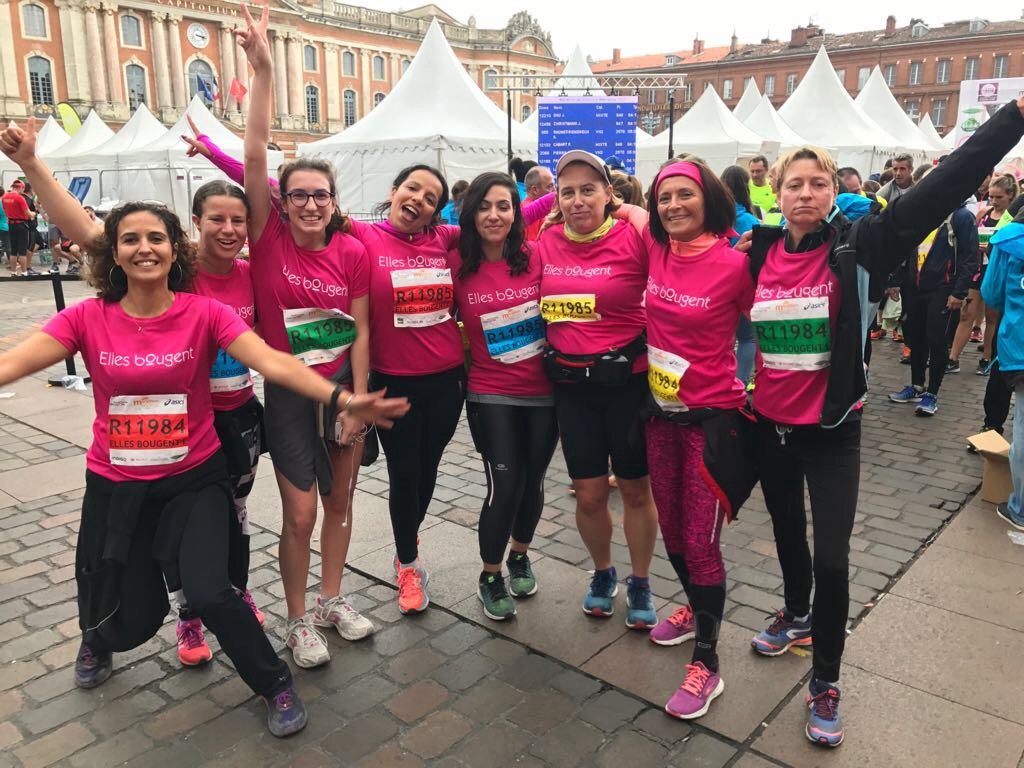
(198, 35)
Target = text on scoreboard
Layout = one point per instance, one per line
(604, 125)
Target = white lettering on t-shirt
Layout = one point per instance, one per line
(577, 271)
(766, 293)
(152, 360)
(411, 262)
(507, 294)
(246, 312)
(667, 293)
(316, 285)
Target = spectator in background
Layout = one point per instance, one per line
(628, 188)
(539, 182)
(519, 168)
(850, 180)
(762, 194)
(5, 237)
(871, 186)
(902, 177)
(19, 217)
(450, 213)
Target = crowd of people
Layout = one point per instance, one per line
(693, 341)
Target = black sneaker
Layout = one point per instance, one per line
(55, 269)
(91, 668)
(984, 366)
(286, 713)
(953, 366)
(72, 269)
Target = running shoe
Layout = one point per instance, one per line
(31, 272)
(309, 647)
(981, 347)
(977, 336)
(905, 356)
(412, 589)
(92, 668)
(336, 612)
(397, 565)
(603, 589)
(824, 726)
(897, 337)
(72, 270)
(247, 596)
(496, 600)
(699, 689)
(676, 629)
(55, 269)
(876, 335)
(909, 394)
(285, 713)
(928, 406)
(192, 647)
(1017, 521)
(783, 632)
(640, 604)
(521, 581)
(952, 366)
(984, 366)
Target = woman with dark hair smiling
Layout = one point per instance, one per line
(509, 404)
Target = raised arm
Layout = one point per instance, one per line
(38, 351)
(66, 213)
(230, 166)
(254, 42)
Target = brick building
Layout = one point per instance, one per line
(333, 62)
(922, 64)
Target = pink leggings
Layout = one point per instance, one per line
(690, 516)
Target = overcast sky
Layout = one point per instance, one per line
(655, 26)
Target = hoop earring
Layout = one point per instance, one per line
(110, 278)
(176, 284)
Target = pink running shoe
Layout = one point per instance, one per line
(247, 597)
(676, 629)
(695, 695)
(192, 647)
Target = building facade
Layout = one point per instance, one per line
(923, 65)
(332, 62)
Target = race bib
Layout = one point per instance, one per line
(514, 334)
(569, 308)
(147, 430)
(318, 335)
(793, 334)
(228, 375)
(664, 372)
(422, 297)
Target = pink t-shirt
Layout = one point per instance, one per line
(304, 298)
(693, 306)
(230, 382)
(796, 306)
(411, 298)
(501, 315)
(151, 382)
(592, 294)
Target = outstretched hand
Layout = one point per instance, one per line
(253, 38)
(195, 145)
(374, 408)
(19, 144)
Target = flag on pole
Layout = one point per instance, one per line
(69, 117)
(208, 89)
(238, 90)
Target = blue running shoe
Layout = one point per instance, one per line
(782, 633)
(285, 713)
(909, 394)
(92, 668)
(641, 614)
(928, 406)
(824, 726)
(603, 588)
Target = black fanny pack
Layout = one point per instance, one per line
(613, 368)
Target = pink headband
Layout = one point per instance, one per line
(684, 168)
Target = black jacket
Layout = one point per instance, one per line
(879, 241)
(945, 268)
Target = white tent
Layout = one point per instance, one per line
(436, 114)
(91, 135)
(48, 139)
(708, 130)
(822, 112)
(765, 121)
(880, 105)
(748, 101)
(931, 137)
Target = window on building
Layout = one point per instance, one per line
(490, 79)
(405, 65)
(862, 77)
(309, 58)
(378, 67)
(135, 79)
(652, 97)
(977, 25)
(769, 85)
(40, 80)
(939, 113)
(33, 20)
(312, 105)
(527, 111)
(666, 122)
(200, 70)
(707, 84)
(687, 91)
(727, 89)
(919, 30)
(841, 74)
(1001, 68)
(348, 64)
(942, 68)
(890, 74)
(790, 83)
(671, 59)
(378, 97)
(913, 109)
(131, 31)
(915, 73)
(350, 108)
(971, 68)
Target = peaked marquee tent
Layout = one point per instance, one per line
(49, 138)
(92, 134)
(931, 136)
(436, 114)
(766, 122)
(880, 105)
(748, 101)
(577, 74)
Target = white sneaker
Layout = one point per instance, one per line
(309, 647)
(336, 612)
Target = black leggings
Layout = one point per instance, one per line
(516, 443)
(997, 393)
(414, 446)
(925, 333)
(829, 459)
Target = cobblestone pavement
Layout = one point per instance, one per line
(447, 688)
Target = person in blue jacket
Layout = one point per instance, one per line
(737, 181)
(1003, 289)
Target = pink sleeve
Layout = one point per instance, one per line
(228, 165)
(360, 268)
(448, 234)
(225, 325)
(635, 215)
(538, 209)
(66, 325)
(745, 294)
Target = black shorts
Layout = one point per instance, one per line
(600, 423)
(20, 238)
(976, 280)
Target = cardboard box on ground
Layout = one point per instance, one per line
(996, 484)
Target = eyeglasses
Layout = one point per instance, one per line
(300, 197)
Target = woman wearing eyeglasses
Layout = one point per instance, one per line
(311, 283)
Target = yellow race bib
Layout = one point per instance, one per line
(569, 308)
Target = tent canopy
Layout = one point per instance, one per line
(140, 130)
(765, 121)
(92, 134)
(748, 101)
(931, 136)
(577, 74)
(880, 105)
(49, 138)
